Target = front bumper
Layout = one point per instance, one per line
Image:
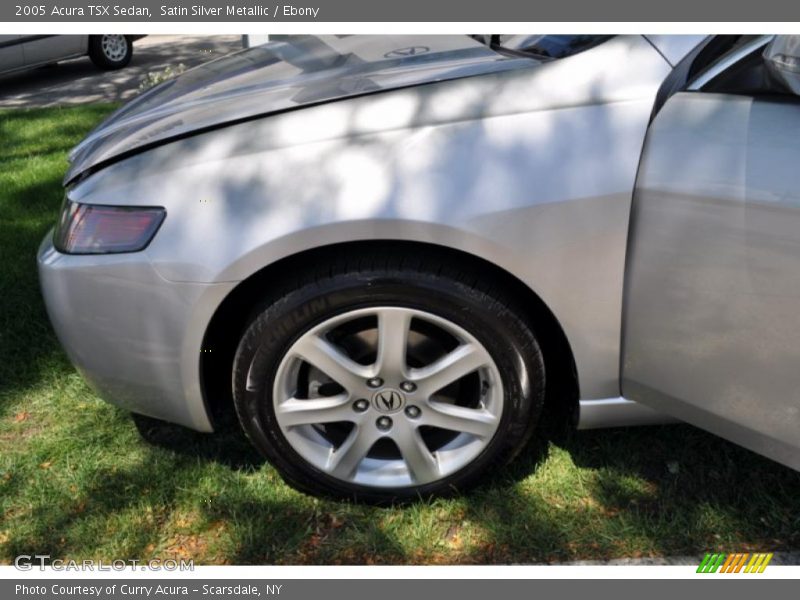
(136, 337)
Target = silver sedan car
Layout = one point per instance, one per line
(392, 255)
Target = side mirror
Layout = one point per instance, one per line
(782, 57)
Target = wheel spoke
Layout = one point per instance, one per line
(475, 421)
(393, 326)
(423, 466)
(317, 410)
(333, 362)
(343, 461)
(321, 359)
(450, 368)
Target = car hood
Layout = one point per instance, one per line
(292, 72)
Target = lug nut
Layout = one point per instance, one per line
(413, 411)
(360, 405)
(375, 382)
(407, 386)
(384, 423)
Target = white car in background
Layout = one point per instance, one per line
(21, 52)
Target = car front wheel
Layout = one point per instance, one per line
(386, 382)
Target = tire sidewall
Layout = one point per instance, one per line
(501, 331)
(99, 57)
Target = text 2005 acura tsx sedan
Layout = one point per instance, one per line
(394, 252)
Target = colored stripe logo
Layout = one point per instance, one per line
(742, 562)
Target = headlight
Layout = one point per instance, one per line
(97, 229)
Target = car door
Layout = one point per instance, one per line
(42, 49)
(711, 328)
(10, 52)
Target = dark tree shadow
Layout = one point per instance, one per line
(227, 445)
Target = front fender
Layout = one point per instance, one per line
(531, 170)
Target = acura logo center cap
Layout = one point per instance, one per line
(388, 400)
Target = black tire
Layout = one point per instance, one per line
(444, 289)
(106, 60)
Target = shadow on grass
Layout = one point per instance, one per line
(182, 495)
(651, 491)
(227, 446)
(32, 163)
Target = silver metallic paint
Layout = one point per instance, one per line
(283, 75)
(132, 334)
(53, 48)
(618, 412)
(674, 47)
(37, 50)
(11, 56)
(531, 169)
(711, 321)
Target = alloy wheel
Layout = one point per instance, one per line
(388, 397)
(115, 47)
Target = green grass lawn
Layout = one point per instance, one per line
(77, 480)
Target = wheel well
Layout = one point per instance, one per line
(235, 312)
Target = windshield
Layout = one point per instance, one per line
(548, 46)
